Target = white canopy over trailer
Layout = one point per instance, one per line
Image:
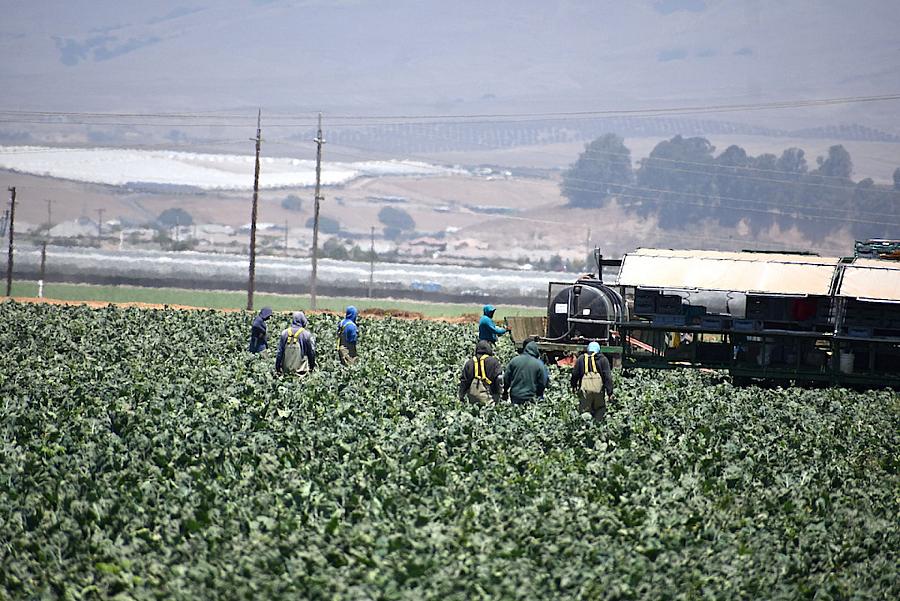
(868, 325)
(746, 272)
(871, 280)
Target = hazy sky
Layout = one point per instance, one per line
(435, 56)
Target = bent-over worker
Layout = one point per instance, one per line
(481, 376)
(296, 348)
(259, 334)
(348, 335)
(592, 381)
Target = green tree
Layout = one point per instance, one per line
(838, 163)
(292, 202)
(679, 177)
(767, 187)
(732, 185)
(174, 216)
(396, 219)
(792, 160)
(327, 225)
(599, 174)
(335, 249)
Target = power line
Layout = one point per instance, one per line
(711, 167)
(707, 166)
(712, 196)
(253, 211)
(320, 140)
(32, 149)
(553, 115)
(751, 210)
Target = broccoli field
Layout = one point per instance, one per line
(146, 455)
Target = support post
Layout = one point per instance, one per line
(587, 251)
(43, 269)
(372, 262)
(251, 281)
(12, 232)
(315, 249)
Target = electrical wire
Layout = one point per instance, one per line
(747, 209)
(714, 196)
(550, 115)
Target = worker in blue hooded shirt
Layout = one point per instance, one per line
(487, 330)
(259, 336)
(296, 348)
(348, 335)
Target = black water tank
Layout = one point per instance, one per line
(594, 301)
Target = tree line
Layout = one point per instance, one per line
(683, 182)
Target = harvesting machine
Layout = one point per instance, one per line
(579, 312)
(758, 315)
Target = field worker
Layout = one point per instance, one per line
(348, 334)
(592, 381)
(487, 330)
(481, 376)
(525, 377)
(296, 348)
(259, 334)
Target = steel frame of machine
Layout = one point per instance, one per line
(537, 329)
(786, 317)
(807, 319)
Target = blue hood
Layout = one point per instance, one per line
(532, 349)
(488, 310)
(299, 319)
(352, 313)
(266, 312)
(593, 347)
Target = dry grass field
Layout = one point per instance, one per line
(538, 222)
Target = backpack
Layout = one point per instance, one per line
(341, 327)
(295, 360)
(480, 388)
(592, 381)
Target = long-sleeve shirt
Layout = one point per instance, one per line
(602, 366)
(493, 370)
(487, 330)
(306, 341)
(525, 377)
(349, 332)
(258, 335)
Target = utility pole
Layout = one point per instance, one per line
(587, 250)
(251, 281)
(372, 262)
(12, 231)
(44, 249)
(315, 249)
(43, 269)
(100, 222)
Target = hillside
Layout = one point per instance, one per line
(377, 56)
